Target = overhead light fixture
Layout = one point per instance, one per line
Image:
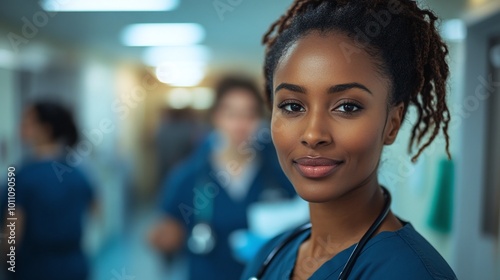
(154, 56)
(181, 73)
(162, 34)
(203, 98)
(178, 66)
(179, 98)
(108, 5)
(453, 30)
(198, 98)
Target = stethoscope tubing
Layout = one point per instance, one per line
(366, 237)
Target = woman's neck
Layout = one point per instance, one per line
(47, 150)
(342, 222)
(232, 154)
(338, 224)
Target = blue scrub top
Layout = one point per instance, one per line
(402, 254)
(54, 210)
(192, 194)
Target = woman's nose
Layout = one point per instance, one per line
(317, 132)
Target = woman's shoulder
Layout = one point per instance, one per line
(403, 254)
(33, 170)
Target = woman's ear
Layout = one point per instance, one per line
(394, 122)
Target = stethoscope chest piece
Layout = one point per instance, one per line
(202, 239)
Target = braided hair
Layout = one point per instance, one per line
(402, 37)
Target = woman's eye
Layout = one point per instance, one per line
(348, 108)
(292, 107)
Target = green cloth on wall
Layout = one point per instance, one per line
(441, 210)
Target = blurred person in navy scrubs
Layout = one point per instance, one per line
(51, 198)
(206, 197)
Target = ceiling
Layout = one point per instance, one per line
(233, 38)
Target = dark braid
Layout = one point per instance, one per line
(411, 53)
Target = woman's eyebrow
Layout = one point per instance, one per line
(343, 87)
(290, 87)
(332, 89)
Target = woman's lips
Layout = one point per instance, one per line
(316, 167)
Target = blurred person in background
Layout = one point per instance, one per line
(206, 197)
(51, 199)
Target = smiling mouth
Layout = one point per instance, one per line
(316, 168)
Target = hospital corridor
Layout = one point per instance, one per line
(186, 139)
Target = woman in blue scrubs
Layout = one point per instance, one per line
(207, 196)
(340, 76)
(51, 199)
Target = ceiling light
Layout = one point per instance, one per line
(162, 34)
(203, 98)
(179, 98)
(108, 5)
(198, 98)
(153, 56)
(181, 73)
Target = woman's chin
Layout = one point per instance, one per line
(315, 196)
(319, 192)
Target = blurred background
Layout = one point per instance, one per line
(132, 72)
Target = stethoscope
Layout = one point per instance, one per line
(355, 253)
(202, 239)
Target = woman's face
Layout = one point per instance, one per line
(330, 116)
(32, 131)
(237, 117)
